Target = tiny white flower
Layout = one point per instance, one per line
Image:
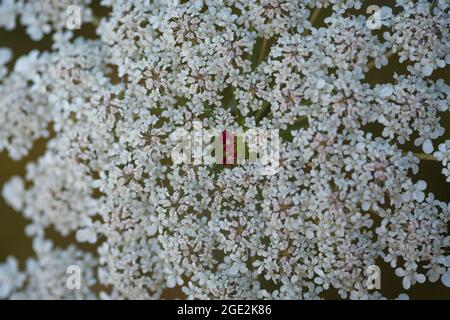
(427, 146)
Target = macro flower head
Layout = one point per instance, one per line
(349, 191)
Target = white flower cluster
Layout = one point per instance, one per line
(342, 200)
(46, 277)
(40, 17)
(417, 29)
(5, 57)
(443, 155)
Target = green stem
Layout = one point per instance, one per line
(423, 156)
(266, 106)
(433, 5)
(263, 111)
(95, 21)
(263, 49)
(232, 105)
(314, 15)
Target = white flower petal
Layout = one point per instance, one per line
(406, 283)
(427, 70)
(427, 146)
(385, 91)
(234, 269)
(420, 278)
(421, 185)
(5, 56)
(446, 279)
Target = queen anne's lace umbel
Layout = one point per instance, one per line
(343, 199)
